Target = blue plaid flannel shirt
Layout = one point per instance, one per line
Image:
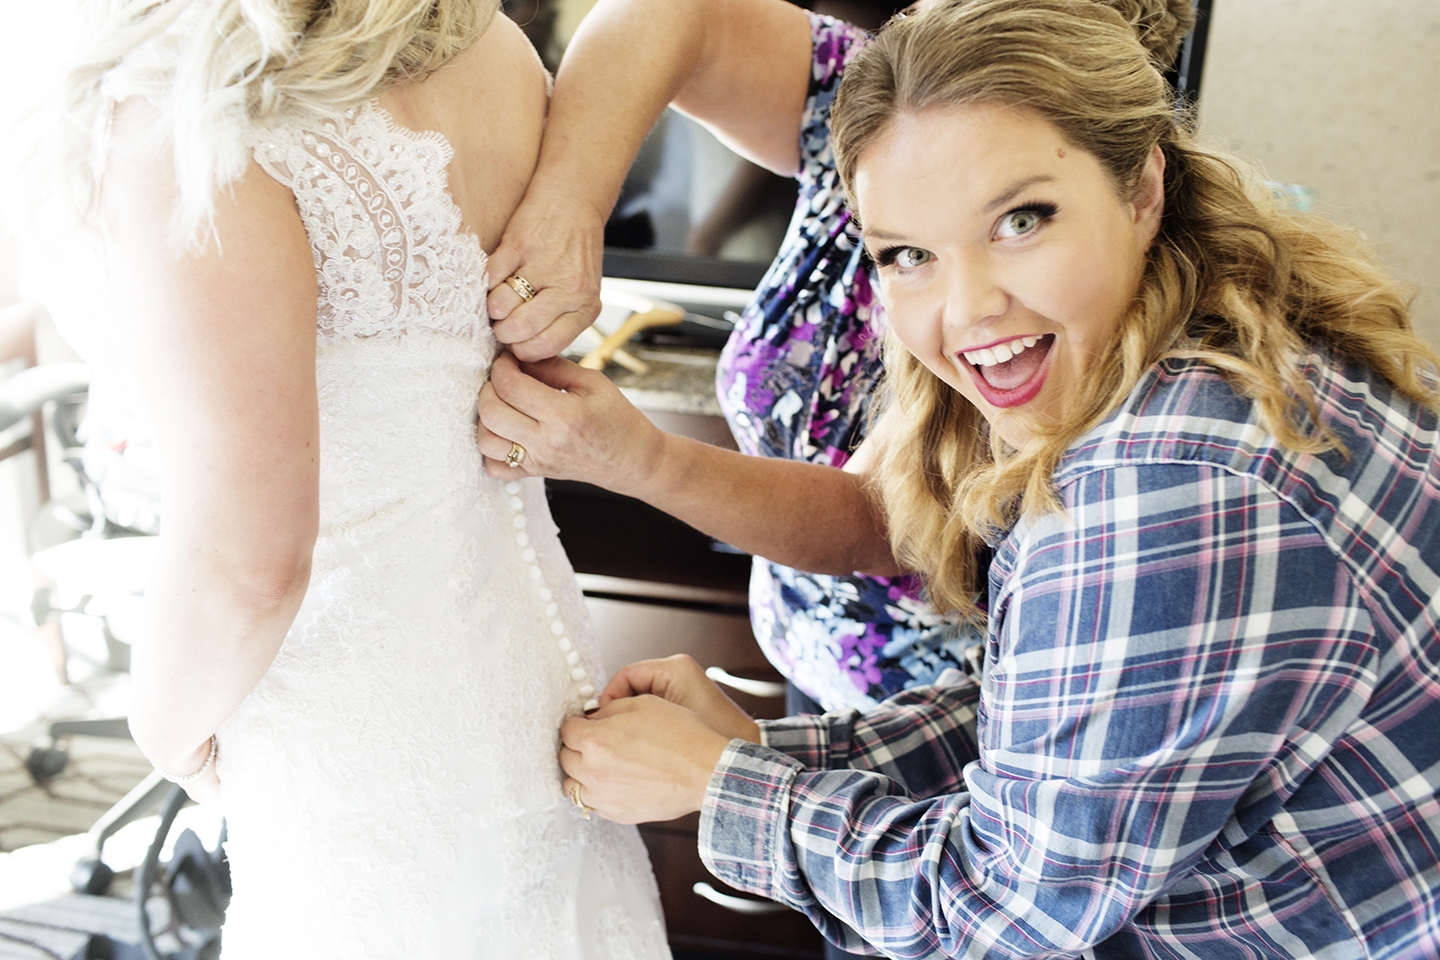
(1209, 725)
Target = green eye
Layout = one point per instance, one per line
(913, 257)
(1024, 220)
(1018, 223)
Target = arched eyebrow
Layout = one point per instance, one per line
(1016, 189)
(1009, 194)
(879, 235)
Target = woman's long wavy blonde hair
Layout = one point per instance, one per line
(217, 67)
(1230, 279)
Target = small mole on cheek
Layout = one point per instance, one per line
(1060, 153)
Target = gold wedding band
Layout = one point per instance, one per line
(521, 286)
(516, 456)
(575, 799)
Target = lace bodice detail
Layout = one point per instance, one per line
(391, 251)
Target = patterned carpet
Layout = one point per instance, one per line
(42, 826)
(42, 836)
(99, 772)
(43, 832)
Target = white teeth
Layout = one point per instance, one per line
(1001, 352)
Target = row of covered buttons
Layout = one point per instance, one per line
(578, 673)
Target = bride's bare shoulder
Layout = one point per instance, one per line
(502, 65)
(490, 104)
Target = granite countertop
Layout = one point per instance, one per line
(680, 379)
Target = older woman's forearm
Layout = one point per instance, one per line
(740, 65)
(575, 424)
(803, 515)
(604, 103)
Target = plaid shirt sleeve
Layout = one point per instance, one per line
(922, 738)
(1169, 658)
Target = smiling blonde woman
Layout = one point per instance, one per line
(1230, 276)
(1201, 440)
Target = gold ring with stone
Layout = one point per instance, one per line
(521, 286)
(575, 799)
(516, 456)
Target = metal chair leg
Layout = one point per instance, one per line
(90, 874)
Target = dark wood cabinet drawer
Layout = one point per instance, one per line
(752, 928)
(614, 536)
(711, 626)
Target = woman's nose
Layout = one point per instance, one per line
(973, 292)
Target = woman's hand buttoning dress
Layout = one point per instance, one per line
(293, 207)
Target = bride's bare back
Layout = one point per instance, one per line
(489, 103)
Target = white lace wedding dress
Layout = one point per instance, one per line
(391, 786)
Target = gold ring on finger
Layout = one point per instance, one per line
(516, 456)
(575, 799)
(521, 286)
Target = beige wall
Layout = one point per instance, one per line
(1340, 95)
(571, 13)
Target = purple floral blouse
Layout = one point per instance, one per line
(795, 381)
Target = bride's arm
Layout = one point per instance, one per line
(224, 346)
(740, 66)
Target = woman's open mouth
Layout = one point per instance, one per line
(1010, 373)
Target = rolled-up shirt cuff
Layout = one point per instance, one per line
(744, 817)
(805, 738)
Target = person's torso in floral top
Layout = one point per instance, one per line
(795, 381)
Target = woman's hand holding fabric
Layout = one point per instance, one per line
(639, 759)
(680, 680)
(648, 752)
(573, 423)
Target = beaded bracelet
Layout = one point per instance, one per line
(191, 778)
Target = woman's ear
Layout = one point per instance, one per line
(1149, 203)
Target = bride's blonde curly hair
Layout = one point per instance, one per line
(217, 67)
(1230, 279)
